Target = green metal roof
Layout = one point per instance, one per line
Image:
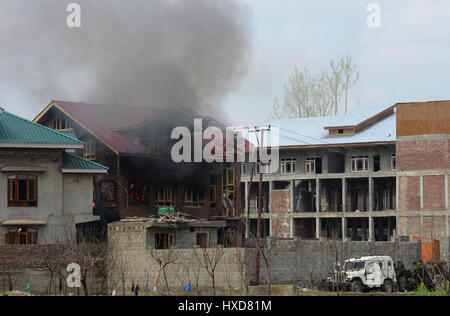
(17, 130)
(72, 162)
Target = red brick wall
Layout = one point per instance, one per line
(281, 228)
(434, 193)
(434, 226)
(423, 154)
(409, 188)
(281, 202)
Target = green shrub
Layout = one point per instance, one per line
(441, 290)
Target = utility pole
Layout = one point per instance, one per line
(258, 225)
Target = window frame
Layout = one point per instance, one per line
(203, 240)
(165, 196)
(31, 237)
(13, 190)
(90, 149)
(168, 240)
(365, 163)
(285, 162)
(310, 165)
(394, 162)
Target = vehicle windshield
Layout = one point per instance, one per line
(354, 266)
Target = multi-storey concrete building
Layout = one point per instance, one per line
(353, 177)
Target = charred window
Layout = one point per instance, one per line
(193, 197)
(165, 196)
(107, 190)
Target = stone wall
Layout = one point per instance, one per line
(306, 262)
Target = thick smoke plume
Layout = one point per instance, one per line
(182, 53)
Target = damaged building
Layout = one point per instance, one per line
(135, 143)
(46, 190)
(367, 176)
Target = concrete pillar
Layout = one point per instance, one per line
(317, 227)
(371, 235)
(446, 191)
(246, 210)
(371, 195)
(421, 193)
(269, 198)
(344, 229)
(317, 195)
(292, 210)
(344, 194)
(421, 225)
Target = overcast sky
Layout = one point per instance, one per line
(406, 59)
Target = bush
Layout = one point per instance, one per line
(441, 290)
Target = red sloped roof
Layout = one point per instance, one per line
(104, 121)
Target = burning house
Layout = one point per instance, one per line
(135, 143)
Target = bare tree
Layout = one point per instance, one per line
(306, 95)
(209, 259)
(350, 77)
(164, 258)
(339, 248)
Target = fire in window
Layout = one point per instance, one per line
(138, 194)
(360, 163)
(288, 165)
(107, 191)
(26, 235)
(22, 190)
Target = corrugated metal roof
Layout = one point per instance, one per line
(17, 130)
(72, 162)
(311, 131)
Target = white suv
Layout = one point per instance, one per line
(369, 272)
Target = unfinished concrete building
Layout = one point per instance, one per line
(350, 177)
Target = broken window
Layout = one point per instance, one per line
(193, 197)
(164, 240)
(89, 150)
(165, 197)
(288, 165)
(21, 236)
(22, 191)
(203, 240)
(360, 163)
(138, 194)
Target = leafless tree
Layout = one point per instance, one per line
(306, 95)
(164, 258)
(339, 248)
(209, 259)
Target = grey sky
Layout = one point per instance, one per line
(407, 59)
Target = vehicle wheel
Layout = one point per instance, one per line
(357, 286)
(388, 286)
